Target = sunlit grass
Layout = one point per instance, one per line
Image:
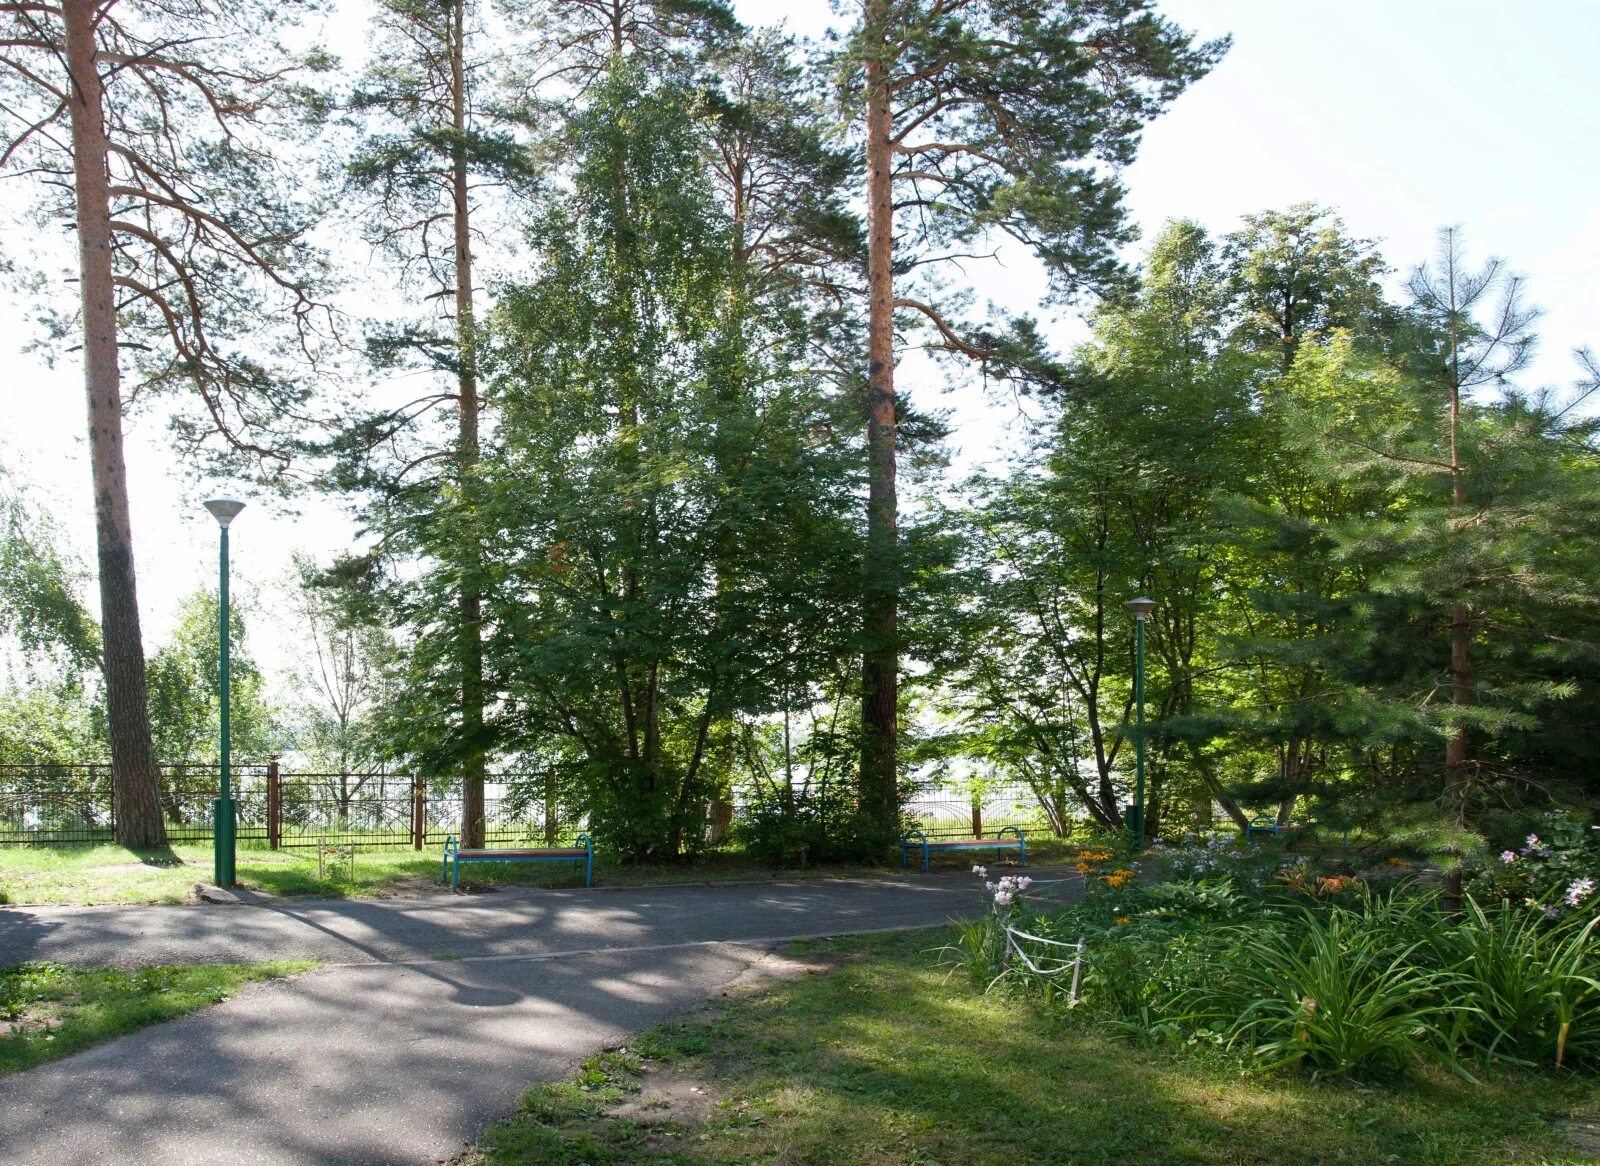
(114, 874)
(886, 1060)
(48, 1011)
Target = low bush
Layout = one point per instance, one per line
(1557, 868)
(793, 827)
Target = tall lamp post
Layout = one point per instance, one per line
(1141, 609)
(224, 823)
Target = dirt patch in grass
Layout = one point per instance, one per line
(667, 1096)
(1582, 1131)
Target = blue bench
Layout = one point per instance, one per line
(454, 856)
(1266, 824)
(915, 838)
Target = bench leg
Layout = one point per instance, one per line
(927, 865)
(588, 869)
(455, 874)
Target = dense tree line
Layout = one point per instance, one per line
(641, 527)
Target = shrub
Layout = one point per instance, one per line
(1557, 868)
(822, 826)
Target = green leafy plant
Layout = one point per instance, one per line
(1331, 992)
(1528, 990)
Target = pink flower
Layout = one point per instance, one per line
(1508, 856)
(1002, 898)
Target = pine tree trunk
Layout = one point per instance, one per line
(471, 598)
(135, 779)
(880, 797)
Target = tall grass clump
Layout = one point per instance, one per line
(1354, 988)
(1528, 986)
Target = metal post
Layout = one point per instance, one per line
(224, 820)
(1136, 827)
(274, 805)
(419, 812)
(1141, 609)
(223, 859)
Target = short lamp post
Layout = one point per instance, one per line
(1141, 609)
(224, 821)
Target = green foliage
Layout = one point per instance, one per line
(50, 724)
(782, 827)
(185, 688)
(40, 606)
(1338, 983)
(683, 516)
(1528, 990)
(1556, 868)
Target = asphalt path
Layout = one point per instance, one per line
(428, 1019)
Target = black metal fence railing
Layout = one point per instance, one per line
(76, 804)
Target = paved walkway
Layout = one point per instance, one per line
(431, 1018)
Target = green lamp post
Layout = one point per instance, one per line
(1141, 609)
(224, 821)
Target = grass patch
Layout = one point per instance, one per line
(48, 1011)
(83, 875)
(885, 1060)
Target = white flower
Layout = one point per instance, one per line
(980, 871)
(1508, 856)
(991, 886)
(1579, 891)
(1533, 842)
(1002, 898)
(1024, 883)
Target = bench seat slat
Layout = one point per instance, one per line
(556, 853)
(967, 843)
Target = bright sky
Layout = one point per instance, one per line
(1405, 116)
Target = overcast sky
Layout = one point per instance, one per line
(1406, 115)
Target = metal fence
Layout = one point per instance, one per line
(948, 813)
(76, 804)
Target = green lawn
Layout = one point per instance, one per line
(48, 1011)
(113, 874)
(885, 1060)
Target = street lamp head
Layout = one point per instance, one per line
(224, 510)
(1141, 607)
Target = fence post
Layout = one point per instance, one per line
(977, 816)
(551, 825)
(419, 811)
(274, 805)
